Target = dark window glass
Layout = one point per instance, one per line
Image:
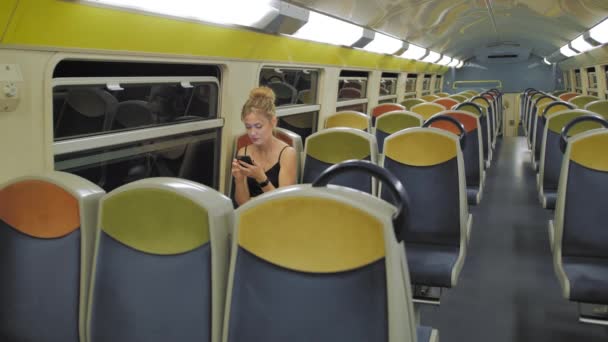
(192, 156)
(438, 82)
(410, 84)
(426, 82)
(352, 85)
(362, 107)
(291, 86)
(76, 68)
(87, 110)
(577, 79)
(303, 124)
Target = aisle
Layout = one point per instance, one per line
(507, 290)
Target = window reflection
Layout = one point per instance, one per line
(86, 110)
(291, 86)
(190, 156)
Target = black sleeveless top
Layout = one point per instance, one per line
(272, 174)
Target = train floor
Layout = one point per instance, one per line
(507, 290)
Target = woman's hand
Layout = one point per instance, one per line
(237, 170)
(252, 170)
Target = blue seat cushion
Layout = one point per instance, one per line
(550, 198)
(472, 192)
(588, 279)
(423, 334)
(431, 265)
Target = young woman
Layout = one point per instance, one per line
(273, 161)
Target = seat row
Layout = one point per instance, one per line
(572, 167)
(166, 259)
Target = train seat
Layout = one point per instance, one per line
(482, 113)
(447, 102)
(409, 103)
(459, 97)
(559, 92)
(384, 108)
(426, 110)
(580, 255)
(338, 273)
(350, 119)
(472, 151)
(392, 122)
(599, 107)
(491, 118)
(429, 163)
(429, 98)
(442, 94)
(525, 101)
(582, 100)
(47, 225)
(551, 156)
(160, 265)
(542, 112)
(567, 96)
(334, 145)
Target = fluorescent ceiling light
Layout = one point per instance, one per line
(567, 51)
(384, 44)
(581, 45)
(325, 29)
(433, 57)
(239, 12)
(546, 61)
(414, 52)
(460, 65)
(454, 62)
(600, 32)
(445, 60)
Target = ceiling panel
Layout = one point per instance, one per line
(457, 27)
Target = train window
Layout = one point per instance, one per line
(605, 67)
(567, 82)
(592, 80)
(426, 84)
(297, 101)
(578, 85)
(352, 91)
(114, 124)
(388, 88)
(100, 106)
(292, 86)
(192, 155)
(410, 86)
(438, 83)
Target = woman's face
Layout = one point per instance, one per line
(259, 127)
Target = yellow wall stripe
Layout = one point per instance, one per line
(6, 10)
(68, 24)
(311, 234)
(420, 148)
(590, 152)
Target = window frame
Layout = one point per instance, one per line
(101, 140)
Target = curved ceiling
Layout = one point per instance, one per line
(458, 27)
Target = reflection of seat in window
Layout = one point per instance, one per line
(286, 94)
(131, 114)
(199, 103)
(134, 93)
(349, 93)
(351, 84)
(168, 101)
(305, 97)
(85, 111)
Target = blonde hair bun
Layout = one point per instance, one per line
(262, 92)
(261, 100)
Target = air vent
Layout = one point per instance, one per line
(503, 56)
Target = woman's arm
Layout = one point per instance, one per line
(287, 175)
(241, 190)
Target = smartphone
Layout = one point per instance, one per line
(245, 159)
